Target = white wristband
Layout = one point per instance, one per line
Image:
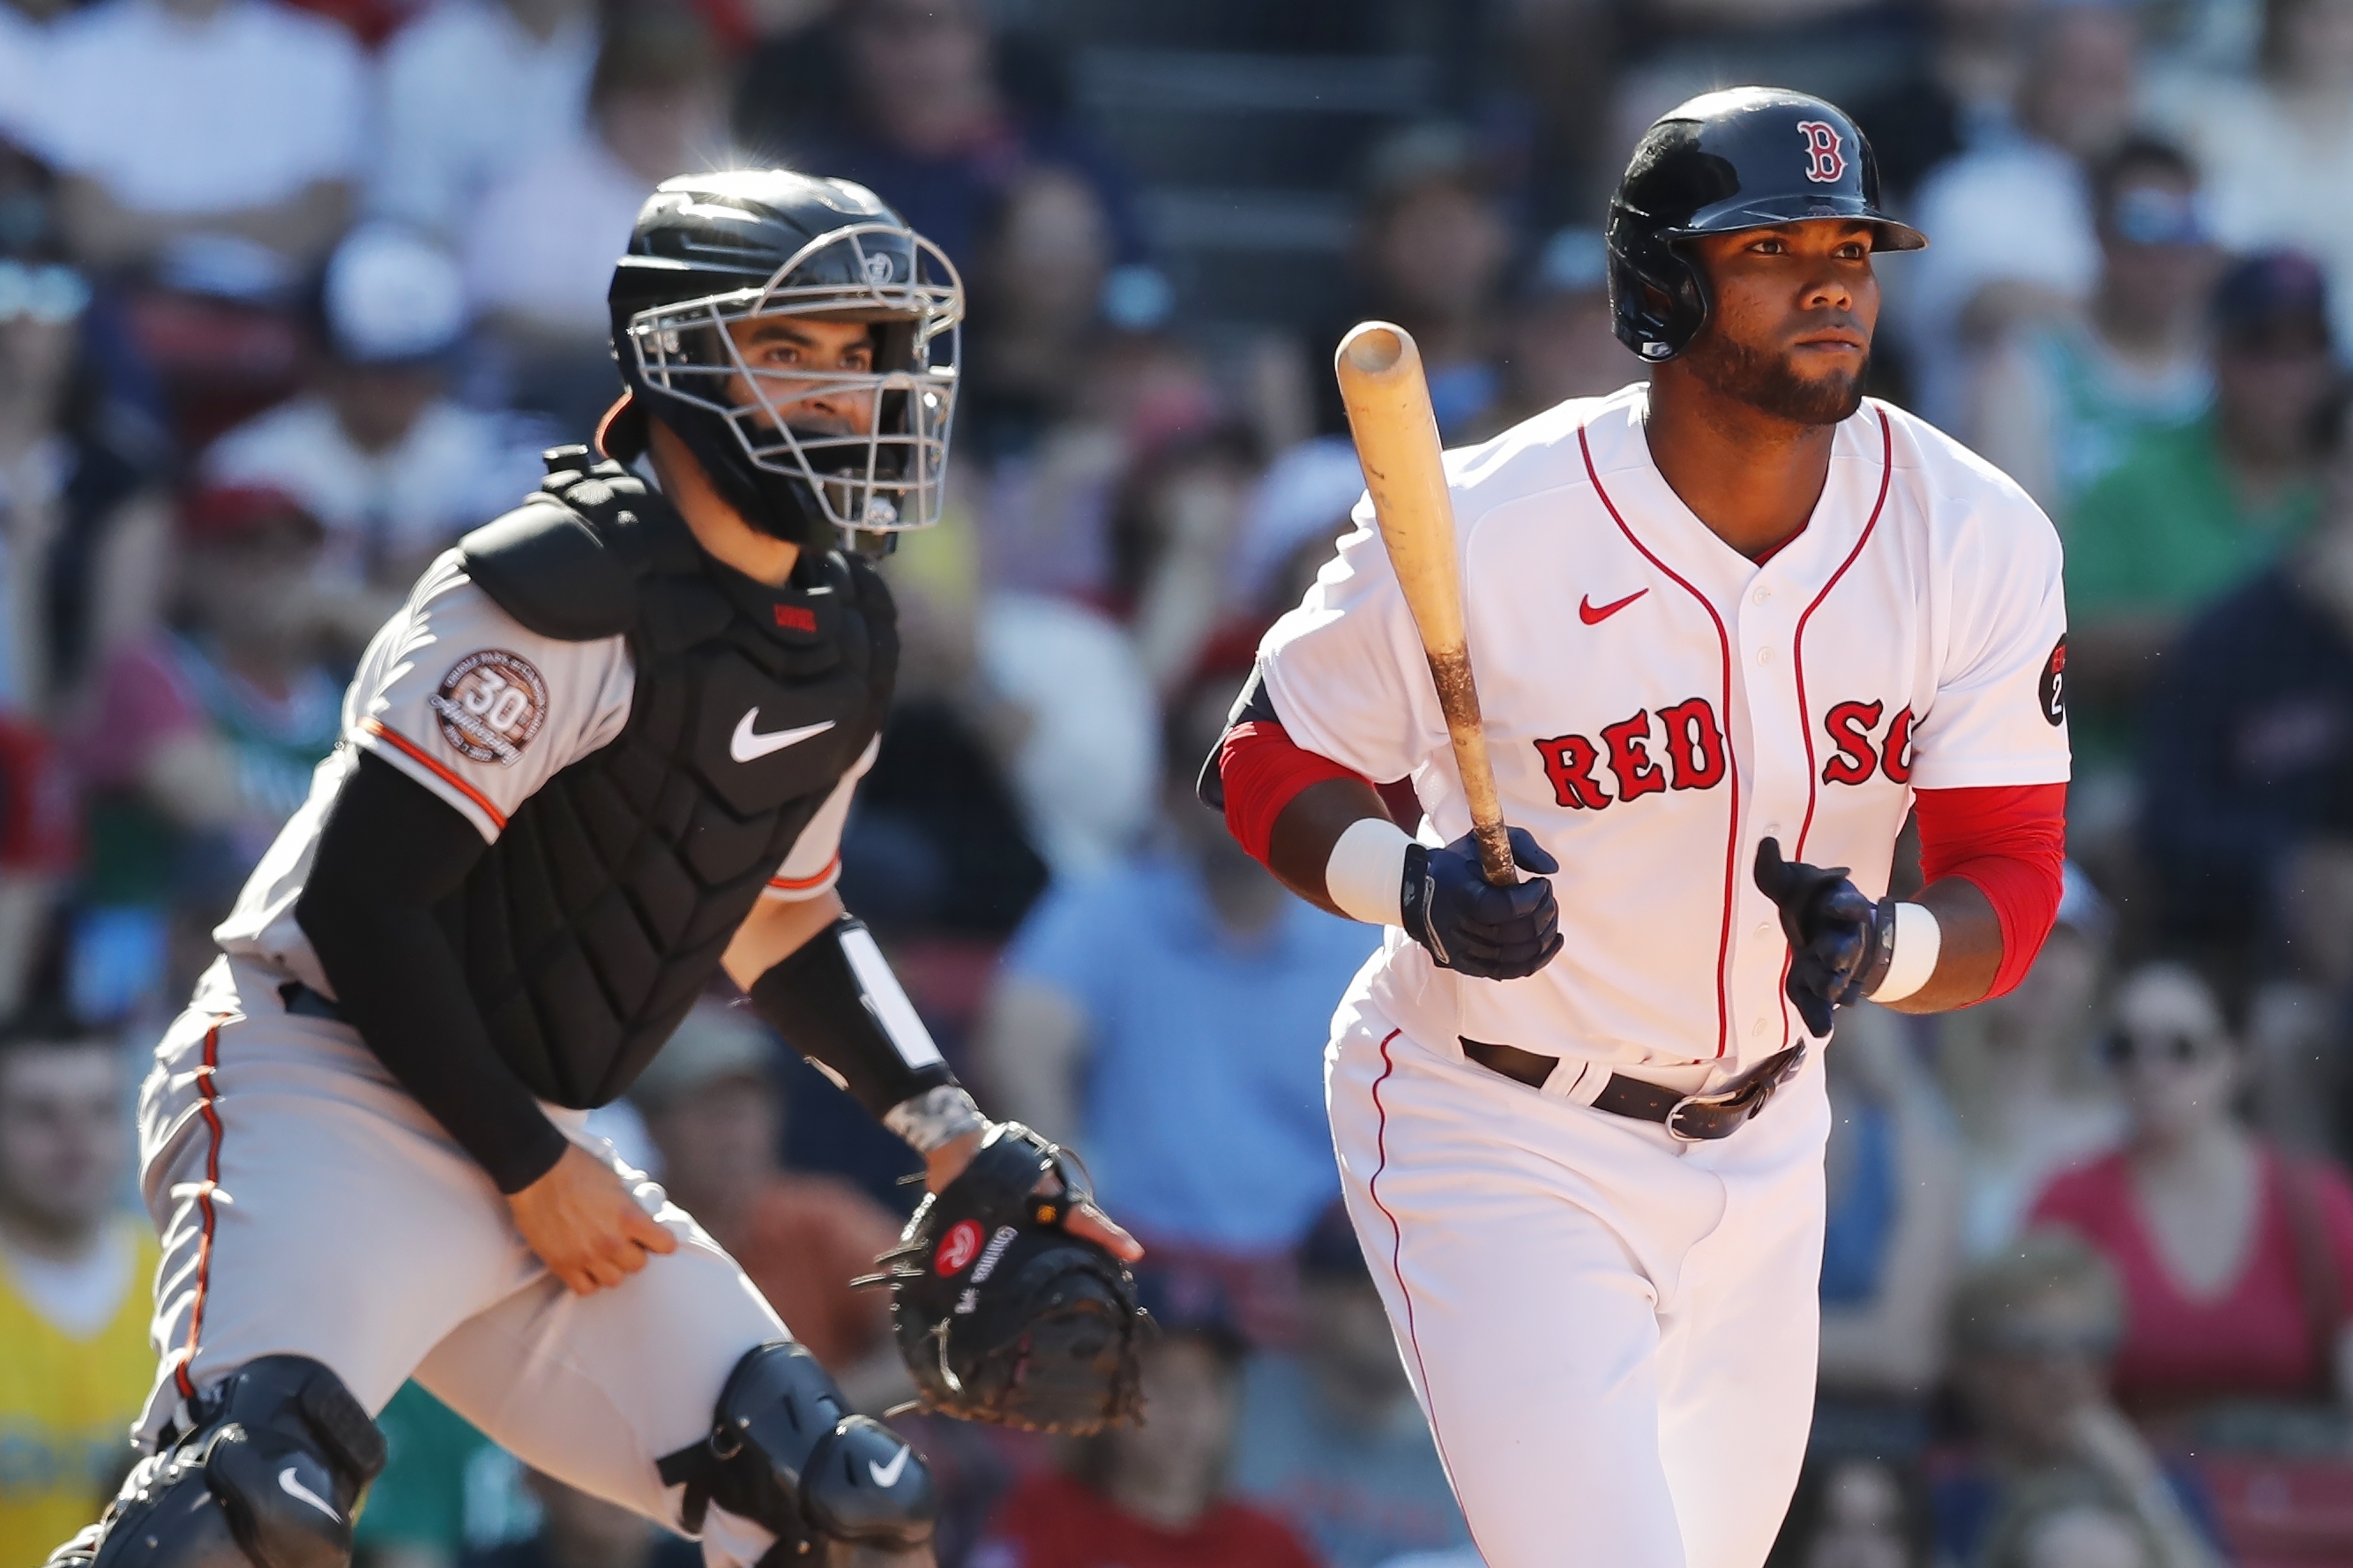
(1919, 939)
(1365, 875)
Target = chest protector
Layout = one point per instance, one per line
(590, 927)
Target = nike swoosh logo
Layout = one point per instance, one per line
(745, 746)
(1593, 616)
(887, 1476)
(300, 1494)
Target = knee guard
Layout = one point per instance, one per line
(785, 1453)
(267, 1478)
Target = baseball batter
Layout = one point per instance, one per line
(1729, 631)
(606, 747)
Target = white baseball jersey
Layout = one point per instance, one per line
(462, 698)
(1656, 704)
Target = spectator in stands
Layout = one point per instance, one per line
(1953, 95)
(2277, 147)
(1562, 343)
(2193, 510)
(1171, 1011)
(201, 738)
(221, 138)
(469, 89)
(2058, 402)
(1172, 534)
(82, 511)
(378, 451)
(1296, 517)
(2020, 1074)
(444, 1489)
(2074, 104)
(1854, 1513)
(74, 1270)
(576, 1530)
(2032, 1331)
(1332, 1439)
(2248, 757)
(2230, 1255)
(25, 33)
(1431, 244)
(1042, 253)
(2248, 769)
(1892, 1243)
(1151, 1494)
(539, 247)
(716, 1115)
(929, 123)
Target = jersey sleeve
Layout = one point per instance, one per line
(814, 866)
(1999, 715)
(463, 699)
(1345, 669)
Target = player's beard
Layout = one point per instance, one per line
(1767, 383)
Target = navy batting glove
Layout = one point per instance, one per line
(1470, 925)
(1837, 936)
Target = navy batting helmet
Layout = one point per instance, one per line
(1747, 157)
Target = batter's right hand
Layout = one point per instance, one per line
(585, 1225)
(1470, 925)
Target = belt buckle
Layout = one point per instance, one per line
(1752, 1092)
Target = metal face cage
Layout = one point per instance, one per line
(871, 446)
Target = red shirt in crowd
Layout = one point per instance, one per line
(2251, 1339)
(1052, 1522)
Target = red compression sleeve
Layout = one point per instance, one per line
(2010, 842)
(1263, 772)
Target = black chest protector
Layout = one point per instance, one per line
(590, 927)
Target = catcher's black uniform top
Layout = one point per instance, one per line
(643, 742)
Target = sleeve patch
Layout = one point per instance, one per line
(2053, 688)
(490, 706)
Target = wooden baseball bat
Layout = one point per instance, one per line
(1390, 416)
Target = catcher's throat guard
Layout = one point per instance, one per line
(1002, 1314)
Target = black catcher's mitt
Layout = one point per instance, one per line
(1003, 1315)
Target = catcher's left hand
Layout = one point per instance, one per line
(1005, 1307)
(1839, 939)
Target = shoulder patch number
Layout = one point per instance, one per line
(491, 705)
(2053, 690)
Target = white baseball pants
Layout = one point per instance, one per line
(1613, 1333)
(308, 1205)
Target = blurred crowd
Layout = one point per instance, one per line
(292, 296)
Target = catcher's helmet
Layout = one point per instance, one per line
(713, 250)
(1747, 157)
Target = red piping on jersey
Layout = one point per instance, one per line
(1732, 759)
(1397, 1255)
(410, 749)
(1798, 663)
(803, 884)
(206, 1094)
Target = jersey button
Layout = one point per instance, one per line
(1763, 595)
(1757, 1028)
(1764, 656)
(1764, 929)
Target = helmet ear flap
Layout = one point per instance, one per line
(1658, 298)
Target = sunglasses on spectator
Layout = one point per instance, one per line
(2122, 1048)
(49, 292)
(2148, 216)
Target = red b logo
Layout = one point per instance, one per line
(1824, 161)
(957, 1249)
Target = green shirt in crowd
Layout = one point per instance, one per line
(2163, 533)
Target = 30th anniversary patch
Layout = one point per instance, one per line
(490, 704)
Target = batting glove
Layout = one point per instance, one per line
(1470, 925)
(1839, 941)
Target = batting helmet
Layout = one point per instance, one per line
(712, 251)
(1747, 157)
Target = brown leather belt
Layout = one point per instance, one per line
(1694, 1118)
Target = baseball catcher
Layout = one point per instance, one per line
(606, 749)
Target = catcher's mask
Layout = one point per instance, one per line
(819, 453)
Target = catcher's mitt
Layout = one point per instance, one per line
(1004, 1316)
